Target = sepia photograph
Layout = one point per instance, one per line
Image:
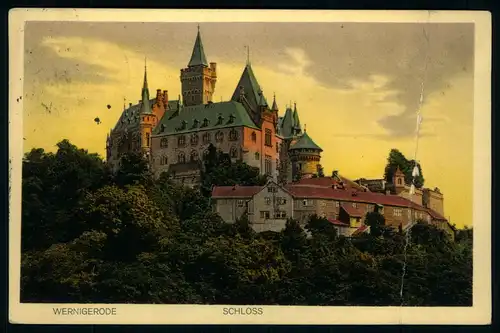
(247, 166)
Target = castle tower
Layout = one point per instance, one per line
(305, 156)
(147, 119)
(296, 122)
(198, 78)
(398, 180)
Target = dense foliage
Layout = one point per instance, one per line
(89, 235)
(397, 159)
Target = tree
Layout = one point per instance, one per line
(397, 159)
(134, 170)
(375, 221)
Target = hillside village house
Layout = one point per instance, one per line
(344, 203)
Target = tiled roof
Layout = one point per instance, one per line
(130, 117)
(251, 89)
(337, 222)
(353, 211)
(198, 56)
(192, 118)
(235, 191)
(286, 125)
(360, 230)
(329, 182)
(435, 215)
(305, 142)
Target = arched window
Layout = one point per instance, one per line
(194, 139)
(181, 158)
(233, 135)
(205, 154)
(206, 138)
(257, 156)
(164, 143)
(219, 137)
(399, 181)
(254, 137)
(163, 160)
(181, 141)
(233, 152)
(194, 156)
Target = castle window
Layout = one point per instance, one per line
(183, 125)
(397, 212)
(240, 203)
(354, 205)
(194, 139)
(264, 214)
(399, 181)
(268, 165)
(233, 135)
(257, 156)
(219, 137)
(268, 138)
(194, 156)
(181, 141)
(206, 138)
(147, 139)
(163, 160)
(220, 119)
(181, 158)
(337, 204)
(164, 143)
(267, 200)
(254, 137)
(205, 154)
(205, 122)
(280, 215)
(234, 152)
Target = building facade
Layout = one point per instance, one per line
(268, 207)
(175, 134)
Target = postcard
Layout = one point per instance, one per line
(249, 167)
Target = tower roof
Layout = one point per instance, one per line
(198, 57)
(145, 106)
(251, 88)
(398, 172)
(275, 106)
(305, 142)
(287, 123)
(296, 120)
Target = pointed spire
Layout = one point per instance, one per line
(275, 106)
(198, 56)
(145, 106)
(296, 120)
(248, 55)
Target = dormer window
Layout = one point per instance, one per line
(183, 125)
(220, 119)
(205, 122)
(164, 143)
(162, 128)
(231, 119)
(196, 123)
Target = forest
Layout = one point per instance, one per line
(90, 235)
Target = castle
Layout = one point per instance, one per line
(175, 134)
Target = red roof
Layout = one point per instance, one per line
(353, 211)
(235, 191)
(338, 223)
(328, 182)
(360, 230)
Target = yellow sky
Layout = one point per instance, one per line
(343, 122)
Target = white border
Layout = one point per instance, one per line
(479, 313)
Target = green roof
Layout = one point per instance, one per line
(205, 117)
(145, 106)
(305, 142)
(129, 118)
(296, 121)
(251, 88)
(287, 124)
(198, 57)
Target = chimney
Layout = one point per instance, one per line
(165, 97)
(129, 105)
(158, 96)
